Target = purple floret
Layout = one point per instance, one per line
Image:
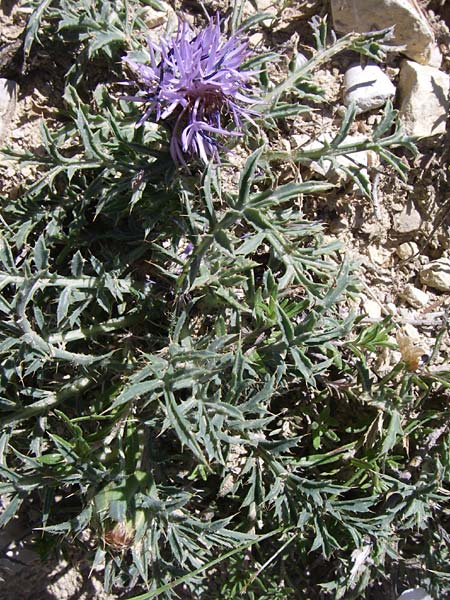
(193, 82)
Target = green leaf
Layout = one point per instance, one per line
(284, 110)
(247, 176)
(11, 510)
(210, 176)
(33, 25)
(223, 241)
(41, 254)
(90, 140)
(395, 162)
(285, 325)
(177, 582)
(393, 432)
(347, 122)
(136, 390)
(63, 305)
(257, 218)
(287, 192)
(386, 122)
(182, 426)
(104, 38)
(338, 288)
(76, 264)
(359, 176)
(6, 256)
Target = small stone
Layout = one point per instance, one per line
(437, 275)
(368, 87)
(378, 255)
(26, 172)
(415, 297)
(391, 307)
(300, 140)
(412, 29)
(412, 332)
(407, 250)
(8, 98)
(372, 308)
(152, 17)
(408, 220)
(19, 133)
(435, 57)
(424, 104)
(256, 39)
(415, 594)
(396, 206)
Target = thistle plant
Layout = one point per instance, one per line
(193, 82)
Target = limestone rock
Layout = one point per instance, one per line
(408, 220)
(371, 308)
(412, 29)
(435, 58)
(415, 297)
(156, 18)
(391, 307)
(411, 332)
(368, 87)
(256, 39)
(424, 99)
(415, 594)
(152, 17)
(8, 96)
(300, 140)
(437, 275)
(378, 255)
(407, 250)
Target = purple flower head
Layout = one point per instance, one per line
(193, 82)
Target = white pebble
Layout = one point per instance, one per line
(8, 98)
(415, 594)
(368, 87)
(415, 297)
(437, 275)
(407, 250)
(372, 308)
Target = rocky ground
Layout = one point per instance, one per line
(400, 237)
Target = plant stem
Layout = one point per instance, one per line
(123, 285)
(328, 151)
(321, 57)
(51, 400)
(89, 332)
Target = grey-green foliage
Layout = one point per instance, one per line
(180, 373)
